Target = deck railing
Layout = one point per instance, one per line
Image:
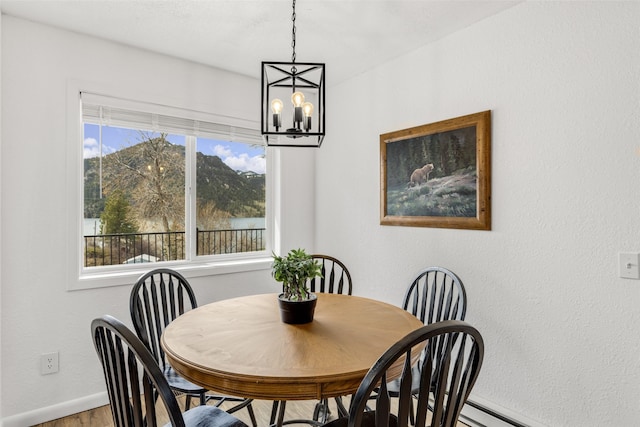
(112, 249)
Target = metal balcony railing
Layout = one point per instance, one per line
(113, 249)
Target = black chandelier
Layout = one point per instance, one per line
(301, 124)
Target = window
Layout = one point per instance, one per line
(162, 185)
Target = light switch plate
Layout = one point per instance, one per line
(629, 265)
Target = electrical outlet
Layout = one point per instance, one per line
(49, 363)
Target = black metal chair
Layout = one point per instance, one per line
(134, 383)
(157, 298)
(449, 366)
(335, 279)
(436, 294)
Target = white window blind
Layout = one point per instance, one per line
(110, 111)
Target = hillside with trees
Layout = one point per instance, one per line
(147, 180)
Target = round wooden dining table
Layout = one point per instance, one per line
(241, 347)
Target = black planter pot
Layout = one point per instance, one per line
(297, 312)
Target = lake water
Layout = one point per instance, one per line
(92, 225)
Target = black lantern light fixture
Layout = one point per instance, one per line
(299, 123)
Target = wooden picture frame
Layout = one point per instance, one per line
(438, 175)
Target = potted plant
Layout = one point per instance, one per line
(297, 304)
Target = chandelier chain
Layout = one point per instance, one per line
(293, 33)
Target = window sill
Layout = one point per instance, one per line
(189, 270)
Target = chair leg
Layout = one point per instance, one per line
(279, 407)
(342, 410)
(244, 403)
(274, 412)
(321, 412)
(254, 423)
(187, 403)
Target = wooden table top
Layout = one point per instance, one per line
(241, 347)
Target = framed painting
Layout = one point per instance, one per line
(438, 175)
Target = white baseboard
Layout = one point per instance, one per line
(485, 417)
(53, 412)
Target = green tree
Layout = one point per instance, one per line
(156, 169)
(117, 216)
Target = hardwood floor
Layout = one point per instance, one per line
(101, 417)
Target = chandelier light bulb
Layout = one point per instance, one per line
(297, 99)
(277, 106)
(307, 109)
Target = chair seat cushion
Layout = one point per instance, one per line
(209, 416)
(393, 386)
(368, 420)
(177, 382)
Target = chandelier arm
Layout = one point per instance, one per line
(282, 70)
(299, 73)
(284, 82)
(311, 68)
(308, 83)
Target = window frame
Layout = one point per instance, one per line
(81, 277)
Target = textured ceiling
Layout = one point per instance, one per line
(350, 36)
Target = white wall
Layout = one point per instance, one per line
(0, 218)
(563, 82)
(38, 314)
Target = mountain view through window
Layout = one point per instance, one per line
(153, 196)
